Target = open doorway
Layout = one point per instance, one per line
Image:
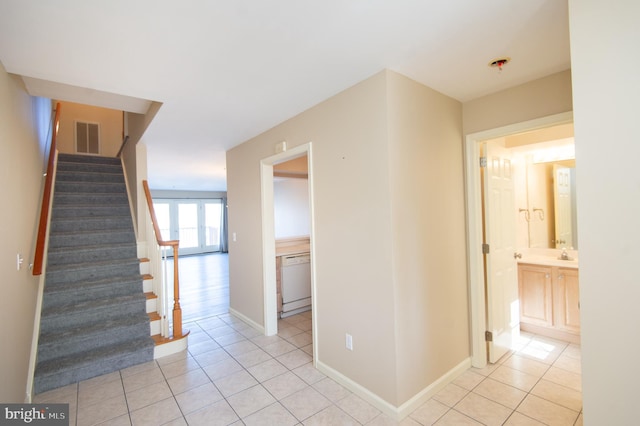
(482, 313)
(272, 309)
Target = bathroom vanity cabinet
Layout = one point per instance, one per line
(549, 301)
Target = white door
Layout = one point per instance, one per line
(562, 201)
(500, 233)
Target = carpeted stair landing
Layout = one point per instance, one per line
(94, 318)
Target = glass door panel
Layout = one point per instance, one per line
(187, 226)
(163, 216)
(212, 221)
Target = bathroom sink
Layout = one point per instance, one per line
(565, 256)
(550, 258)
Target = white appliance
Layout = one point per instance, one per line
(296, 284)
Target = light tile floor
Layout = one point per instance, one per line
(233, 375)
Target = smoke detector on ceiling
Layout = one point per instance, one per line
(499, 63)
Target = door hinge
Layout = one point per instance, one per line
(483, 161)
(485, 248)
(488, 336)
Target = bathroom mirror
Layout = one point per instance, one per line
(551, 199)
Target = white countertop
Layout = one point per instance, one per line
(549, 261)
(549, 257)
(293, 249)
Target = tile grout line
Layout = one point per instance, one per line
(126, 400)
(289, 370)
(527, 393)
(173, 395)
(245, 369)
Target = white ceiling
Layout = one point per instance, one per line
(226, 71)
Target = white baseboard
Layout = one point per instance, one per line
(427, 393)
(362, 392)
(396, 413)
(33, 354)
(246, 319)
(170, 348)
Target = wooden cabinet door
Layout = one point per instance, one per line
(536, 299)
(567, 300)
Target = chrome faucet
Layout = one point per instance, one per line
(564, 255)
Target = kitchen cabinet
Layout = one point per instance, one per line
(549, 301)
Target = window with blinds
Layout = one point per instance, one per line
(87, 138)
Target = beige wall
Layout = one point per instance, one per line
(134, 157)
(21, 167)
(353, 251)
(382, 280)
(110, 121)
(539, 98)
(606, 97)
(428, 223)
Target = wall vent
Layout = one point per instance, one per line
(87, 138)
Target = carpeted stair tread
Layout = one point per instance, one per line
(95, 187)
(88, 270)
(59, 343)
(66, 198)
(76, 176)
(131, 261)
(70, 166)
(72, 369)
(90, 356)
(98, 159)
(102, 287)
(90, 223)
(54, 278)
(89, 247)
(73, 286)
(89, 210)
(91, 290)
(91, 253)
(82, 238)
(71, 308)
(56, 336)
(89, 232)
(95, 197)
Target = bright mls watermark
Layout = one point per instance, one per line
(34, 414)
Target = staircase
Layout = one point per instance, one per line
(94, 316)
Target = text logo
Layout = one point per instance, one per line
(34, 414)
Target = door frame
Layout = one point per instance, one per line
(473, 190)
(269, 241)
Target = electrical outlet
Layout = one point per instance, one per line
(349, 342)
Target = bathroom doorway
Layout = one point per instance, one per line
(483, 313)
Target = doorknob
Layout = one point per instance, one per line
(517, 255)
